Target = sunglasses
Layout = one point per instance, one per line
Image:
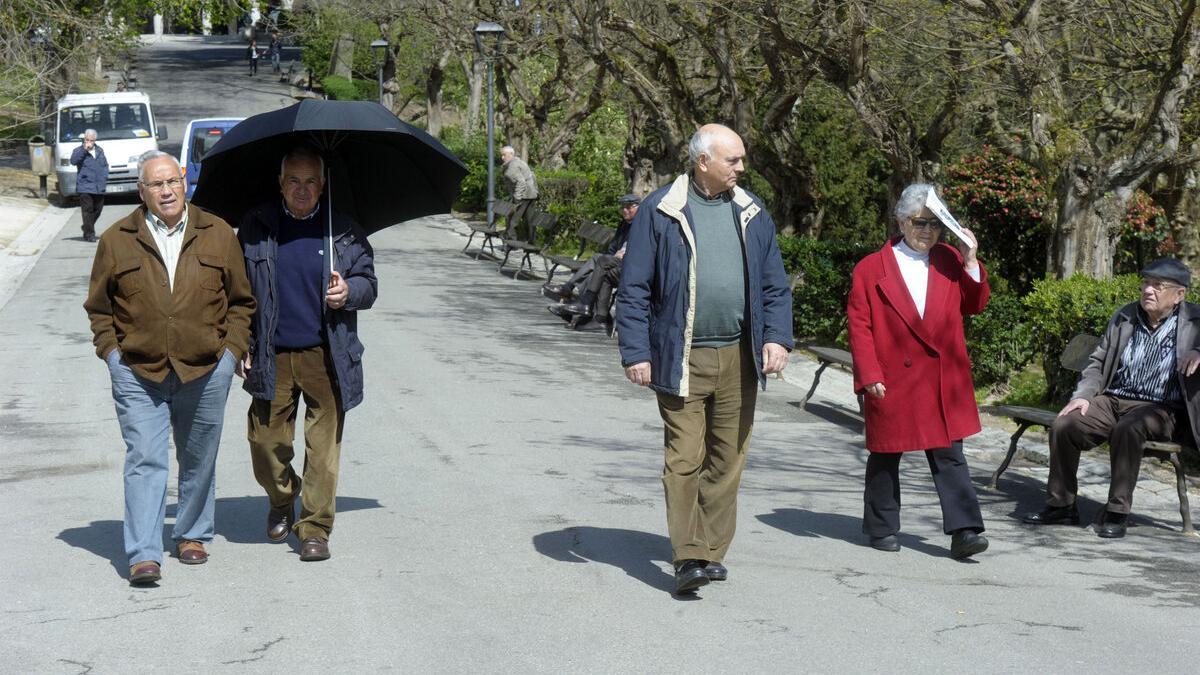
(926, 224)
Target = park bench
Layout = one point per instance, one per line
(592, 236)
(489, 231)
(1075, 358)
(539, 221)
(827, 356)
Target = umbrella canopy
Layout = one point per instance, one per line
(381, 170)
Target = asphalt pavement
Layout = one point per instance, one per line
(500, 510)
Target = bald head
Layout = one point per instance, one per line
(718, 158)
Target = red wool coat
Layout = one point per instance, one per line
(922, 362)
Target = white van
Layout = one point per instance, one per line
(124, 125)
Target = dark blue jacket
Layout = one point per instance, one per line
(93, 171)
(619, 239)
(355, 261)
(656, 300)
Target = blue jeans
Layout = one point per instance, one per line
(148, 412)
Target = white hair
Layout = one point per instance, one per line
(508, 148)
(149, 155)
(302, 152)
(912, 200)
(701, 143)
(89, 132)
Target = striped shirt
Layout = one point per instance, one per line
(1146, 371)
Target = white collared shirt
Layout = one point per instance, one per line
(169, 241)
(914, 268)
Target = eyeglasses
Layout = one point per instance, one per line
(926, 224)
(172, 183)
(1159, 285)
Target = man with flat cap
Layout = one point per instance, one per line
(1138, 386)
(597, 279)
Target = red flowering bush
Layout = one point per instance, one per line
(1002, 200)
(1145, 234)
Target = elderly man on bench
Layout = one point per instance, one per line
(1137, 387)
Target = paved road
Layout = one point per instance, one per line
(500, 511)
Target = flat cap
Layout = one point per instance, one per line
(629, 199)
(1169, 269)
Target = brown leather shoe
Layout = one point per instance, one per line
(191, 552)
(313, 549)
(279, 523)
(145, 572)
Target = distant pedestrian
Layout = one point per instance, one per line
(522, 186)
(906, 308)
(170, 308)
(705, 314)
(274, 50)
(252, 54)
(305, 346)
(90, 182)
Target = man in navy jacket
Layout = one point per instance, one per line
(90, 182)
(304, 345)
(704, 313)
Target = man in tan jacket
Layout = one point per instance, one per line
(170, 308)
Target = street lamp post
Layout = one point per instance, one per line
(381, 58)
(490, 33)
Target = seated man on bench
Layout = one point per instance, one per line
(565, 291)
(1138, 387)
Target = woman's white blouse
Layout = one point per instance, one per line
(914, 267)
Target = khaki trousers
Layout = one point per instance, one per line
(705, 438)
(271, 427)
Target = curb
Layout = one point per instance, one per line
(20, 257)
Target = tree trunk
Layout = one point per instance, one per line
(476, 73)
(433, 94)
(1180, 198)
(1088, 226)
(650, 160)
(342, 62)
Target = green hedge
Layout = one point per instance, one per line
(1057, 310)
(822, 270)
(343, 89)
(999, 341)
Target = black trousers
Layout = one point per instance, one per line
(603, 281)
(90, 206)
(951, 478)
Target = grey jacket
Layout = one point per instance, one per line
(1102, 364)
(520, 180)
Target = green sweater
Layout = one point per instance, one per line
(720, 272)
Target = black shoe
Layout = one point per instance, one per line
(715, 571)
(1053, 515)
(558, 291)
(579, 309)
(889, 543)
(689, 576)
(89, 237)
(966, 543)
(561, 312)
(1113, 526)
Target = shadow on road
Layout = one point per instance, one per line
(637, 553)
(240, 520)
(804, 523)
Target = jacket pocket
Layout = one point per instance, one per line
(128, 276)
(212, 272)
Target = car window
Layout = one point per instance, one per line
(110, 120)
(203, 140)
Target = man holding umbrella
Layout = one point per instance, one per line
(312, 271)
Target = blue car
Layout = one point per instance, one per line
(199, 137)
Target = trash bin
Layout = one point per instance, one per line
(40, 160)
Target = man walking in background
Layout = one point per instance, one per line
(522, 186)
(705, 314)
(91, 181)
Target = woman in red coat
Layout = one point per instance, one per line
(906, 310)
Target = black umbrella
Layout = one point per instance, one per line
(380, 170)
